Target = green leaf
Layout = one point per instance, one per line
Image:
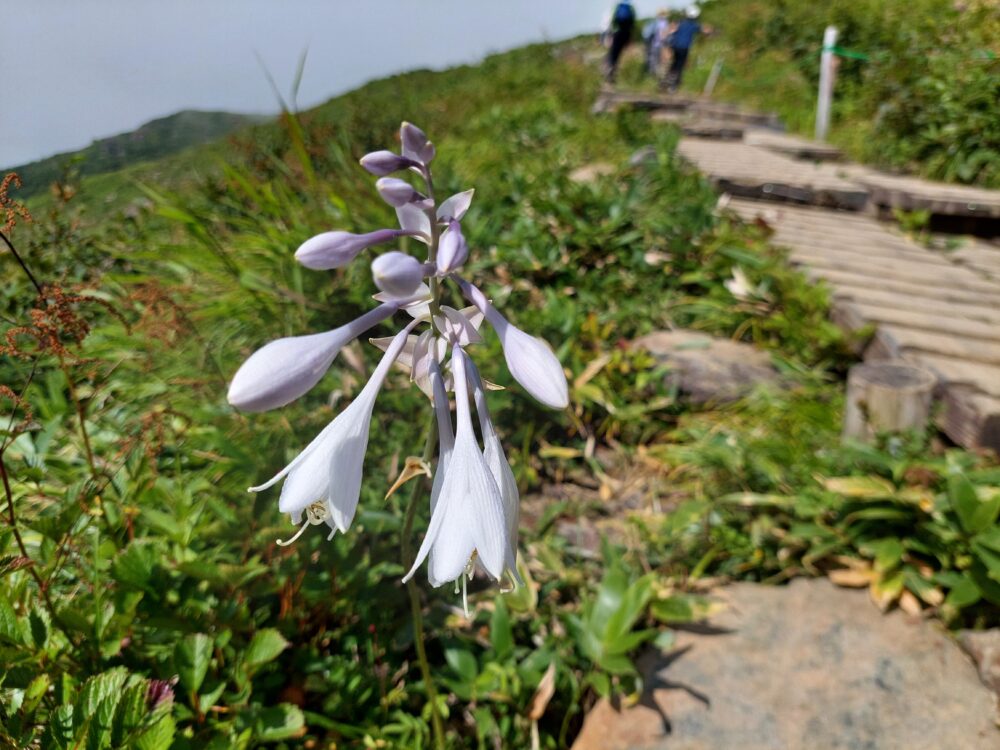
(974, 514)
(10, 625)
(676, 608)
(98, 689)
(265, 646)
(191, 659)
(501, 634)
(863, 488)
(59, 733)
(963, 594)
(463, 662)
(279, 723)
(135, 565)
(160, 736)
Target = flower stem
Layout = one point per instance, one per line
(437, 726)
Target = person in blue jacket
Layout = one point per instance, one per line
(622, 26)
(680, 45)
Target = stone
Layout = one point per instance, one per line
(708, 369)
(807, 665)
(642, 157)
(984, 648)
(591, 172)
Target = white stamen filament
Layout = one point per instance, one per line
(315, 515)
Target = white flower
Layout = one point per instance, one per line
(496, 459)
(329, 470)
(281, 371)
(467, 524)
(530, 360)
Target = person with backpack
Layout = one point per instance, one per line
(680, 45)
(622, 26)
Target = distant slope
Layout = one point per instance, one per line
(158, 138)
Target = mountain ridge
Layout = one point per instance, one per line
(157, 138)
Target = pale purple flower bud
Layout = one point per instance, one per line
(415, 144)
(397, 273)
(382, 163)
(530, 360)
(454, 208)
(336, 249)
(397, 192)
(453, 249)
(281, 371)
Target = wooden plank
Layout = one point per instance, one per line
(894, 341)
(912, 193)
(970, 418)
(931, 322)
(917, 290)
(791, 145)
(897, 271)
(886, 298)
(984, 378)
(749, 171)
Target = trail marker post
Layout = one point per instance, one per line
(826, 77)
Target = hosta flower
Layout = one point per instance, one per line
(467, 523)
(474, 497)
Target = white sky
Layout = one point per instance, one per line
(76, 70)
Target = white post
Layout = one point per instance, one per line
(826, 74)
(713, 78)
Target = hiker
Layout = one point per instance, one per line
(655, 33)
(622, 24)
(680, 45)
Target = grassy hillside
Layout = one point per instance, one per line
(144, 601)
(918, 87)
(163, 137)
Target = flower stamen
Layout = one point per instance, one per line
(316, 514)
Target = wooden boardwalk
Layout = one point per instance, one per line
(939, 309)
(928, 307)
(757, 172)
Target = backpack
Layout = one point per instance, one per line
(624, 14)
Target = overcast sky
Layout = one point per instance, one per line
(76, 70)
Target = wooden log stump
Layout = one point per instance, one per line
(890, 396)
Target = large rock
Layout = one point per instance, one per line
(803, 666)
(709, 369)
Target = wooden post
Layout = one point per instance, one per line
(889, 396)
(826, 76)
(713, 78)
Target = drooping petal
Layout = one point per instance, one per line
(397, 192)
(337, 452)
(397, 274)
(382, 163)
(530, 359)
(468, 516)
(415, 222)
(454, 208)
(428, 351)
(452, 250)
(496, 459)
(415, 144)
(336, 249)
(456, 327)
(281, 371)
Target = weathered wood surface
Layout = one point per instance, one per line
(701, 127)
(611, 100)
(979, 255)
(753, 172)
(892, 396)
(791, 145)
(913, 193)
(931, 308)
